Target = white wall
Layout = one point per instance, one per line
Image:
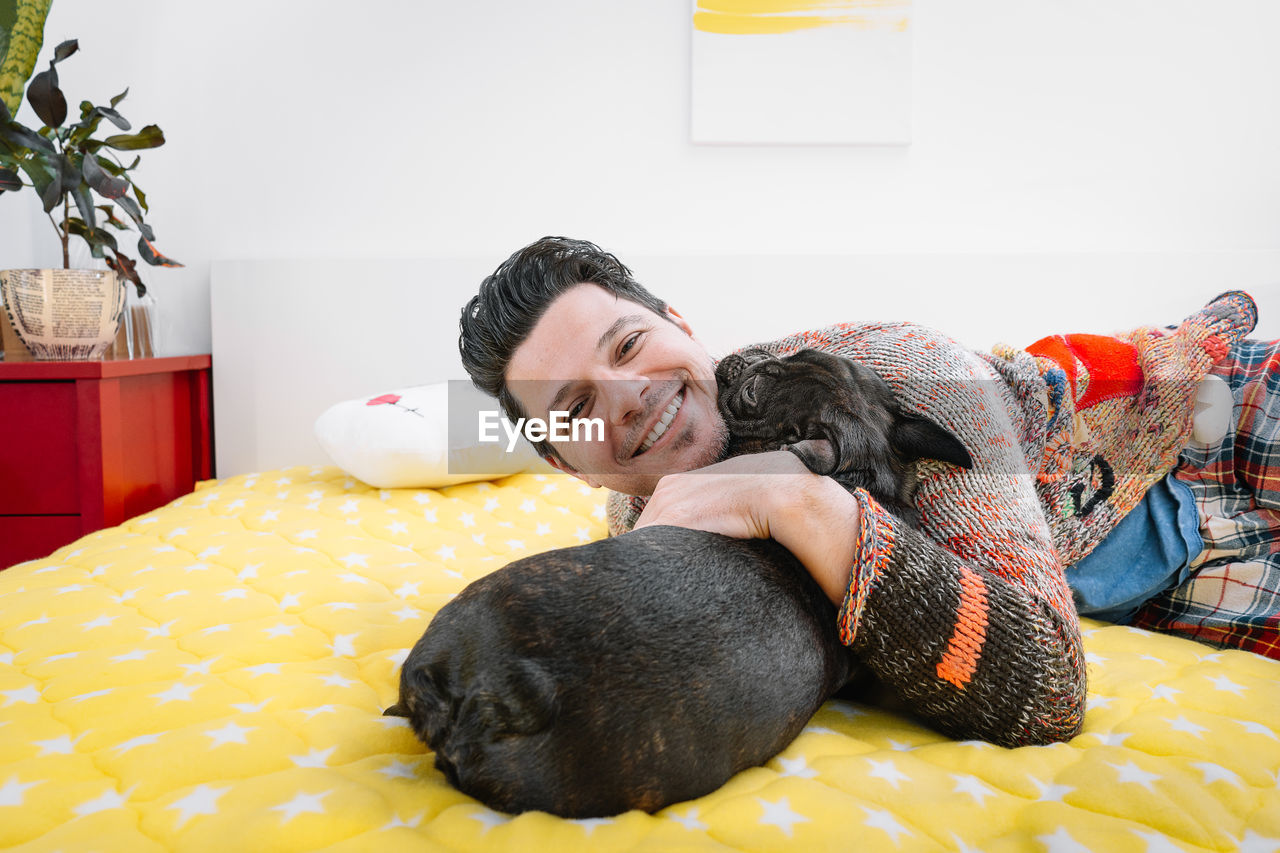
(322, 129)
(291, 338)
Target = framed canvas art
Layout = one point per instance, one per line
(801, 72)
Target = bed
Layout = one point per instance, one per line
(211, 676)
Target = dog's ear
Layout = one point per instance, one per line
(422, 701)
(731, 367)
(520, 700)
(920, 438)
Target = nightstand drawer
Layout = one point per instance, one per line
(39, 463)
(87, 444)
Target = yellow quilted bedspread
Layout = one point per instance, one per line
(211, 676)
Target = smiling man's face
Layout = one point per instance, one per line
(595, 355)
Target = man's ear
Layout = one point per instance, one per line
(570, 470)
(674, 316)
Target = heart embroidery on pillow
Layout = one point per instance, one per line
(392, 400)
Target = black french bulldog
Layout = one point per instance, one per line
(629, 673)
(646, 669)
(840, 417)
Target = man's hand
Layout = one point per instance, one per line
(763, 495)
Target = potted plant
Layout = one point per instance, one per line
(73, 167)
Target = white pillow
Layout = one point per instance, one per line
(401, 439)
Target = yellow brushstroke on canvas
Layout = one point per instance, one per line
(762, 17)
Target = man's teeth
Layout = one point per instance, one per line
(661, 426)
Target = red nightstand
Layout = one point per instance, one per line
(87, 444)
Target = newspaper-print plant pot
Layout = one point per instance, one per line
(64, 315)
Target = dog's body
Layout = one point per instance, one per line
(646, 669)
(632, 672)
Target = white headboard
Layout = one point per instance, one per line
(290, 338)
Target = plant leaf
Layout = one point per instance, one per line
(66, 179)
(118, 98)
(111, 167)
(47, 99)
(102, 183)
(5, 25)
(22, 48)
(68, 173)
(149, 137)
(64, 50)
(40, 170)
(9, 180)
(84, 203)
(114, 117)
(91, 116)
(142, 197)
(51, 195)
(112, 219)
(16, 134)
(128, 268)
(81, 132)
(151, 256)
(135, 213)
(95, 237)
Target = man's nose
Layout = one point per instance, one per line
(626, 398)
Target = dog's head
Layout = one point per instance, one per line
(513, 685)
(481, 707)
(840, 417)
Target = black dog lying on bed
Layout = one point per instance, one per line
(647, 669)
(632, 672)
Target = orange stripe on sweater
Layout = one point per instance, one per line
(965, 647)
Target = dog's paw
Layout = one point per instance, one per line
(817, 454)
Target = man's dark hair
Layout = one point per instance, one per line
(512, 300)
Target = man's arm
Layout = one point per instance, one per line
(980, 652)
(975, 653)
(767, 495)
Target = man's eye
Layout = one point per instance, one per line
(628, 344)
(577, 409)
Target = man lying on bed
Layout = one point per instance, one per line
(970, 618)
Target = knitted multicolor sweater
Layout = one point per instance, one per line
(969, 618)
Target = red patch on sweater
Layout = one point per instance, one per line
(1110, 365)
(1215, 348)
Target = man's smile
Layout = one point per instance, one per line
(664, 421)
